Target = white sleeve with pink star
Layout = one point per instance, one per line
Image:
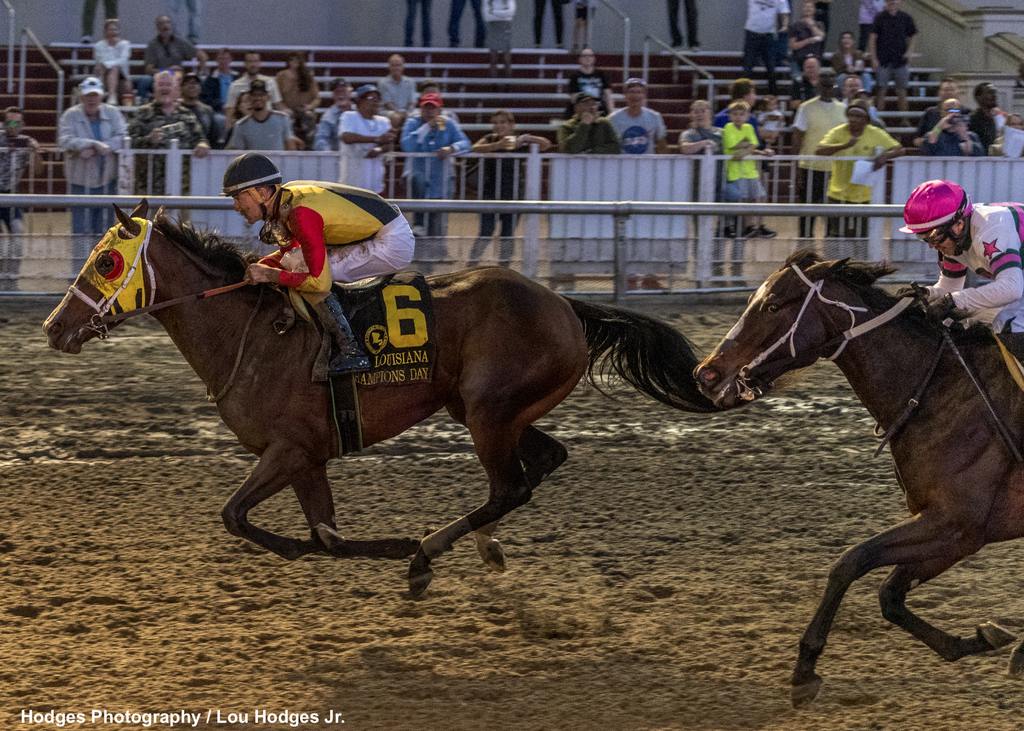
(995, 252)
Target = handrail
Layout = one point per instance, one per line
(679, 56)
(944, 11)
(27, 32)
(626, 24)
(11, 24)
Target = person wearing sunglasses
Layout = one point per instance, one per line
(985, 238)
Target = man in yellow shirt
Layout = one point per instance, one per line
(856, 138)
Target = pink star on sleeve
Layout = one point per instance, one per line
(990, 248)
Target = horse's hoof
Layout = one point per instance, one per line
(420, 574)
(492, 553)
(995, 635)
(804, 693)
(1016, 667)
(328, 536)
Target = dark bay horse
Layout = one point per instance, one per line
(508, 351)
(963, 487)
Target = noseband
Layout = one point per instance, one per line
(747, 392)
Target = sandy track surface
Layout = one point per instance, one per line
(659, 580)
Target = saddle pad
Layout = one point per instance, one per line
(1014, 365)
(394, 319)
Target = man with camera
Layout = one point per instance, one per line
(154, 126)
(950, 137)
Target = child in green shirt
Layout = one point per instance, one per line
(743, 182)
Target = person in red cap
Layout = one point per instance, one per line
(984, 238)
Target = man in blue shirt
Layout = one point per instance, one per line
(327, 129)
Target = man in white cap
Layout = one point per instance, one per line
(89, 133)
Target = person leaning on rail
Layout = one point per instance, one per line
(985, 238)
(325, 232)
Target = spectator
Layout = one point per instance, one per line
(949, 88)
(770, 120)
(327, 130)
(89, 16)
(154, 126)
(852, 90)
(365, 136)
(1013, 121)
(765, 19)
(950, 136)
(216, 85)
(432, 178)
(691, 24)
(252, 73)
(301, 96)
(988, 118)
(594, 82)
(1018, 83)
(500, 178)
(89, 133)
(166, 50)
(587, 132)
(814, 119)
(397, 91)
(741, 90)
(429, 86)
(822, 10)
(455, 18)
(190, 90)
(111, 54)
(866, 17)
(743, 181)
(890, 46)
(584, 12)
(807, 85)
(806, 36)
(538, 21)
(19, 153)
(410, 21)
(263, 128)
(640, 130)
(848, 60)
(499, 15)
(856, 138)
(191, 9)
(701, 137)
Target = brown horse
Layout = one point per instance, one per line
(963, 486)
(508, 351)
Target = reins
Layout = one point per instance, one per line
(205, 294)
(913, 402)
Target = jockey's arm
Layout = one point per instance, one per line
(1008, 287)
(1001, 245)
(307, 227)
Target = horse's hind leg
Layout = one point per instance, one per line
(540, 455)
(313, 490)
(892, 596)
(276, 468)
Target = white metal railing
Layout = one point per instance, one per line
(626, 25)
(26, 33)
(12, 23)
(678, 56)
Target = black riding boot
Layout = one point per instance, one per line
(346, 356)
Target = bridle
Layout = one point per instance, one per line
(748, 392)
(99, 322)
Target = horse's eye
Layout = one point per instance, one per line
(773, 307)
(110, 264)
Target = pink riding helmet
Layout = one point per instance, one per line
(933, 203)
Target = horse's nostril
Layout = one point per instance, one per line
(707, 375)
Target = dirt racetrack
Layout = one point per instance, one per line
(659, 580)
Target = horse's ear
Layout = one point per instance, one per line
(126, 222)
(141, 210)
(804, 259)
(161, 212)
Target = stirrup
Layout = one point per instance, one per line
(348, 363)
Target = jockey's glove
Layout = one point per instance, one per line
(942, 309)
(915, 290)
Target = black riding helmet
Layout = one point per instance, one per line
(248, 171)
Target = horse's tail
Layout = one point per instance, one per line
(646, 353)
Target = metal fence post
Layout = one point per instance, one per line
(705, 232)
(172, 169)
(875, 224)
(621, 256)
(531, 223)
(125, 167)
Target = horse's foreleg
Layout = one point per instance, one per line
(272, 474)
(508, 490)
(915, 540)
(892, 596)
(313, 490)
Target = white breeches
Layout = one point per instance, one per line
(389, 250)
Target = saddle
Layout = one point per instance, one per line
(1011, 345)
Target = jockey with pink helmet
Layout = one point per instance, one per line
(985, 238)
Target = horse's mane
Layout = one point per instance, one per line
(861, 276)
(207, 245)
